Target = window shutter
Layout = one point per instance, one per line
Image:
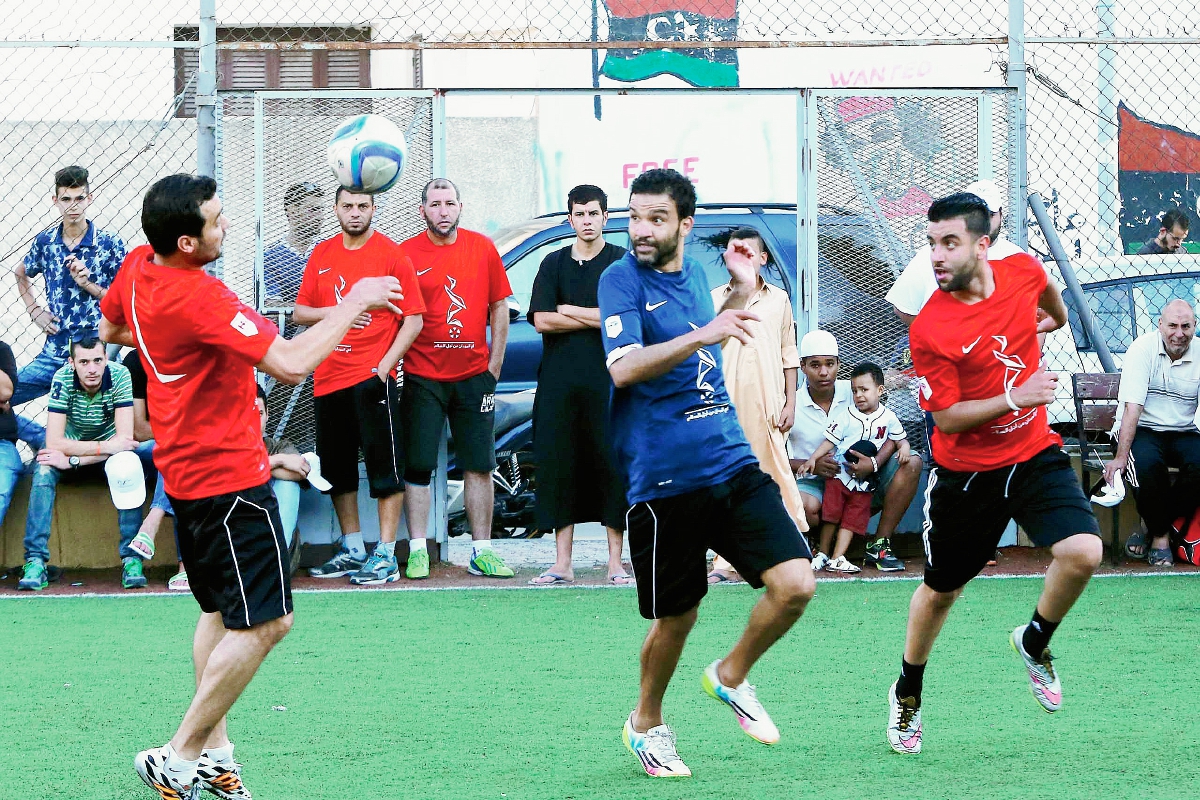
(187, 63)
(348, 69)
(295, 69)
(247, 70)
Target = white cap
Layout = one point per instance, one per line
(314, 473)
(989, 192)
(818, 343)
(126, 481)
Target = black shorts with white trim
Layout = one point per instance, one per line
(236, 558)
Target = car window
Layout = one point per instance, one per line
(1110, 309)
(522, 272)
(1128, 309)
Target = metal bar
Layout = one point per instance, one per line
(206, 91)
(1107, 196)
(356, 94)
(612, 45)
(114, 43)
(807, 206)
(438, 136)
(1038, 206)
(260, 193)
(1016, 79)
(782, 90)
(1103, 40)
(983, 130)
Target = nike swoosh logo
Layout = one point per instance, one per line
(423, 271)
(652, 306)
(969, 347)
(323, 271)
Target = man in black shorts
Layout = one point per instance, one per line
(694, 482)
(201, 345)
(975, 349)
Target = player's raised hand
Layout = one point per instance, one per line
(733, 322)
(1037, 391)
(383, 292)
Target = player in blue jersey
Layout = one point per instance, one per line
(694, 482)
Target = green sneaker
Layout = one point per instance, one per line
(489, 565)
(35, 578)
(131, 574)
(418, 565)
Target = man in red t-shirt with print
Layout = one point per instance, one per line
(200, 345)
(975, 350)
(356, 395)
(450, 371)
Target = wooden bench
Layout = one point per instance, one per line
(1096, 412)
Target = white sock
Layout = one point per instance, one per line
(222, 755)
(179, 767)
(417, 545)
(387, 548)
(354, 543)
(479, 545)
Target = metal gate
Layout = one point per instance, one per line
(878, 159)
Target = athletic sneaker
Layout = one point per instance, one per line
(656, 750)
(151, 766)
(35, 577)
(132, 576)
(820, 561)
(904, 723)
(418, 565)
(344, 563)
(1043, 678)
(842, 564)
(380, 568)
(749, 711)
(224, 779)
(143, 545)
(179, 582)
(879, 553)
(488, 564)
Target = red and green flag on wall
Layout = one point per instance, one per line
(672, 21)
(1158, 169)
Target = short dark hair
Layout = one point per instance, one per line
(71, 177)
(868, 368)
(585, 193)
(337, 196)
(668, 182)
(171, 209)
(745, 233)
(1176, 218)
(971, 208)
(438, 183)
(301, 191)
(260, 392)
(85, 343)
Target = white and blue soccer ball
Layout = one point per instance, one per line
(367, 153)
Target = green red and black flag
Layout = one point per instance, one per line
(672, 21)
(1158, 168)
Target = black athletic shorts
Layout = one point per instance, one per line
(236, 558)
(469, 404)
(743, 519)
(365, 415)
(966, 513)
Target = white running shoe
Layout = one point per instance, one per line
(820, 561)
(151, 766)
(904, 723)
(1043, 678)
(745, 704)
(842, 564)
(655, 749)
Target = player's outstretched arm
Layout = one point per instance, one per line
(968, 414)
(291, 360)
(647, 363)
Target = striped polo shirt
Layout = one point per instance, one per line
(90, 417)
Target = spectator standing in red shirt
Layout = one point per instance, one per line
(356, 390)
(201, 345)
(975, 350)
(451, 372)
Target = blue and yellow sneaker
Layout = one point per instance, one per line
(655, 750)
(380, 568)
(485, 562)
(742, 699)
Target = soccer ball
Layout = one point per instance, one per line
(367, 153)
(1186, 539)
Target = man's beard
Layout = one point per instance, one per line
(958, 281)
(433, 228)
(663, 252)
(359, 231)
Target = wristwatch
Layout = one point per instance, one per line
(73, 461)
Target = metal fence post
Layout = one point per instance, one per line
(1106, 125)
(1019, 180)
(805, 302)
(206, 91)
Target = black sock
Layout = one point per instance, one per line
(911, 677)
(1037, 634)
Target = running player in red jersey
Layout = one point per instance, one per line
(201, 345)
(975, 350)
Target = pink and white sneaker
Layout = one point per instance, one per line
(1043, 678)
(904, 723)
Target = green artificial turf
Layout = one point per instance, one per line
(522, 694)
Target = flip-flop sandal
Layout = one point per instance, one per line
(1135, 546)
(554, 579)
(1161, 558)
(621, 579)
(143, 545)
(720, 577)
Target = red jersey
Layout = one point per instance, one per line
(972, 352)
(199, 344)
(459, 282)
(331, 272)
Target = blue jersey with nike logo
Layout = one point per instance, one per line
(677, 432)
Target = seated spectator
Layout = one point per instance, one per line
(10, 459)
(288, 469)
(90, 419)
(1174, 230)
(846, 504)
(1160, 379)
(820, 398)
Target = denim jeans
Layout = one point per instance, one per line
(33, 381)
(10, 471)
(287, 493)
